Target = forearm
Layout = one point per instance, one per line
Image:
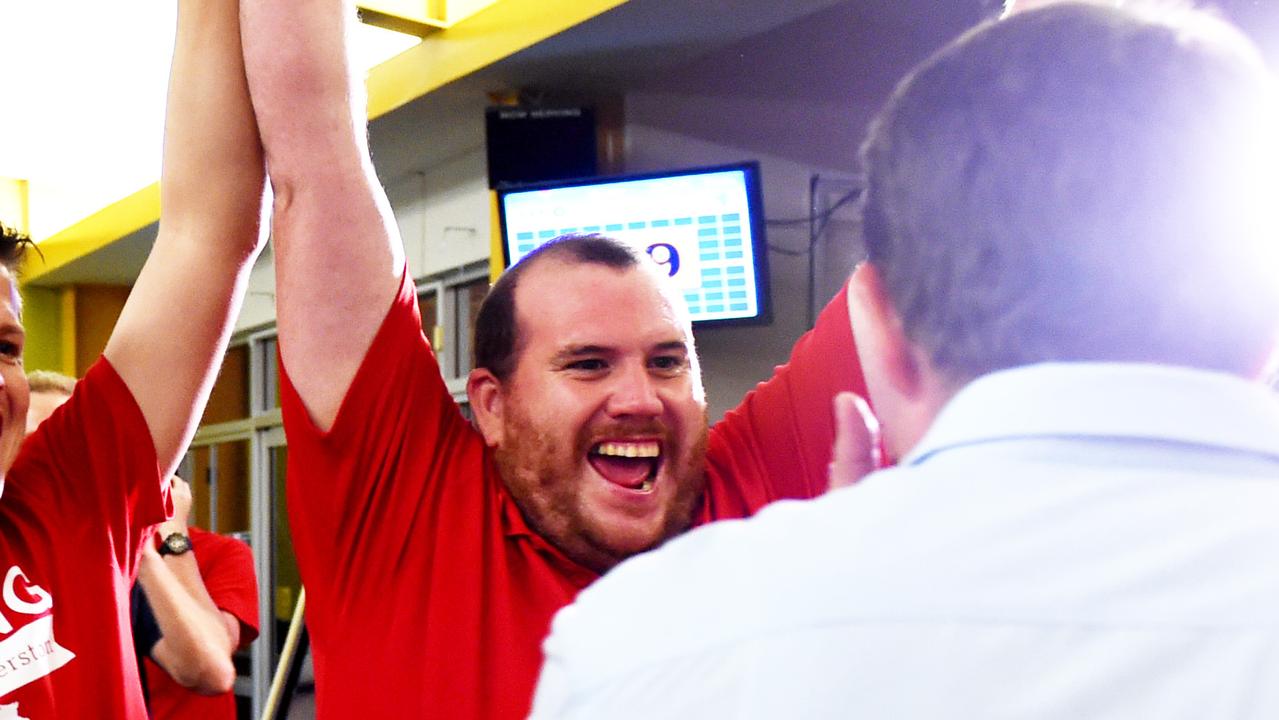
(213, 170)
(303, 87)
(333, 226)
(195, 647)
(171, 334)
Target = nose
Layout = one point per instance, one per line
(634, 393)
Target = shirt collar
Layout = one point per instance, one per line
(517, 530)
(1108, 400)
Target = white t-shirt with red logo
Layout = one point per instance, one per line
(77, 502)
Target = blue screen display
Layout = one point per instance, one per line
(701, 227)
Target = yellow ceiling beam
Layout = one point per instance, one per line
(419, 17)
(412, 17)
(498, 30)
(472, 34)
(94, 232)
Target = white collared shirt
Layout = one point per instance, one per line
(1067, 541)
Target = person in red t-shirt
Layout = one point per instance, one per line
(202, 591)
(200, 602)
(81, 494)
(434, 553)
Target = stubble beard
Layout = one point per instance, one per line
(544, 480)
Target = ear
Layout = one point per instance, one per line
(887, 355)
(484, 391)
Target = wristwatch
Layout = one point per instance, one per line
(175, 544)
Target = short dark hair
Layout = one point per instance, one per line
(13, 246)
(1070, 183)
(496, 327)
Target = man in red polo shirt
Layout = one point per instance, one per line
(434, 553)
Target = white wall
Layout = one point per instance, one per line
(259, 301)
(443, 213)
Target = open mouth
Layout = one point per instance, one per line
(631, 464)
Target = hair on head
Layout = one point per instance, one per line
(497, 327)
(48, 381)
(1080, 182)
(13, 246)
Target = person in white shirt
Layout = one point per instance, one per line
(1070, 294)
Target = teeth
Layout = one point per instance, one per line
(629, 450)
(647, 485)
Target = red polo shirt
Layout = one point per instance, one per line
(427, 595)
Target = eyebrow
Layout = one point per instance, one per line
(671, 346)
(574, 351)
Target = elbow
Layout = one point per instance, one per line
(214, 675)
(219, 680)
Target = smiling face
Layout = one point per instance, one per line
(14, 397)
(600, 431)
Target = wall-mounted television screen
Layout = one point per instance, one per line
(704, 227)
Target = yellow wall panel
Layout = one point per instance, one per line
(42, 319)
(67, 330)
(497, 261)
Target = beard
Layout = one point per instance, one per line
(547, 478)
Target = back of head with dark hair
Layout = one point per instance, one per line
(1081, 183)
(496, 326)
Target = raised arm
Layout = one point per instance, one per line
(338, 257)
(171, 334)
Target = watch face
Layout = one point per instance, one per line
(175, 544)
